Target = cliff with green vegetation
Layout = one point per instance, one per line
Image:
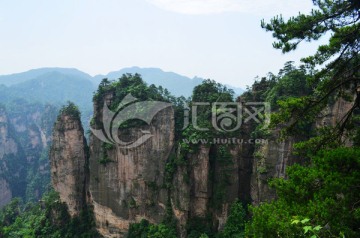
(150, 173)
(127, 184)
(25, 132)
(9, 149)
(175, 184)
(69, 159)
(186, 187)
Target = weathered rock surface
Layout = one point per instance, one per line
(334, 113)
(68, 155)
(25, 132)
(130, 185)
(208, 185)
(5, 195)
(126, 185)
(8, 153)
(272, 159)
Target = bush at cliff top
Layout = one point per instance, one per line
(70, 109)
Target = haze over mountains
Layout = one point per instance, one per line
(177, 84)
(38, 80)
(34, 73)
(56, 86)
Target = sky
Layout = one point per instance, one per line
(216, 39)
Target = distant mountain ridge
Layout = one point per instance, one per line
(56, 87)
(177, 84)
(16, 78)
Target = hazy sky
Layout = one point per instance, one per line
(217, 39)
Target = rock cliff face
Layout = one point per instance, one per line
(271, 160)
(127, 185)
(210, 183)
(6, 194)
(25, 132)
(156, 179)
(9, 157)
(69, 157)
(334, 113)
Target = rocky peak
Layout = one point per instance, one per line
(7, 147)
(68, 158)
(127, 184)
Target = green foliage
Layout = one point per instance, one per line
(285, 93)
(48, 218)
(333, 69)
(105, 148)
(221, 158)
(203, 235)
(9, 213)
(26, 169)
(70, 109)
(235, 224)
(130, 84)
(138, 230)
(327, 191)
(14, 171)
(161, 231)
(146, 230)
(334, 16)
(207, 92)
(198, 226)
(105, 160)
(134, 85)
(260, 89)
(211, 91)
(309, 230)
(170, 169)
(290, 82)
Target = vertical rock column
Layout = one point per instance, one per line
(9, 153)
(130, 185)
(68, 156)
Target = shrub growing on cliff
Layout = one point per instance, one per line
(327, 192)
(70, 109)
(334, 68)
(146, 230)
(48, 218)
(134, 85)
(235, 224)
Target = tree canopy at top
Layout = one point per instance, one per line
(334, 68)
